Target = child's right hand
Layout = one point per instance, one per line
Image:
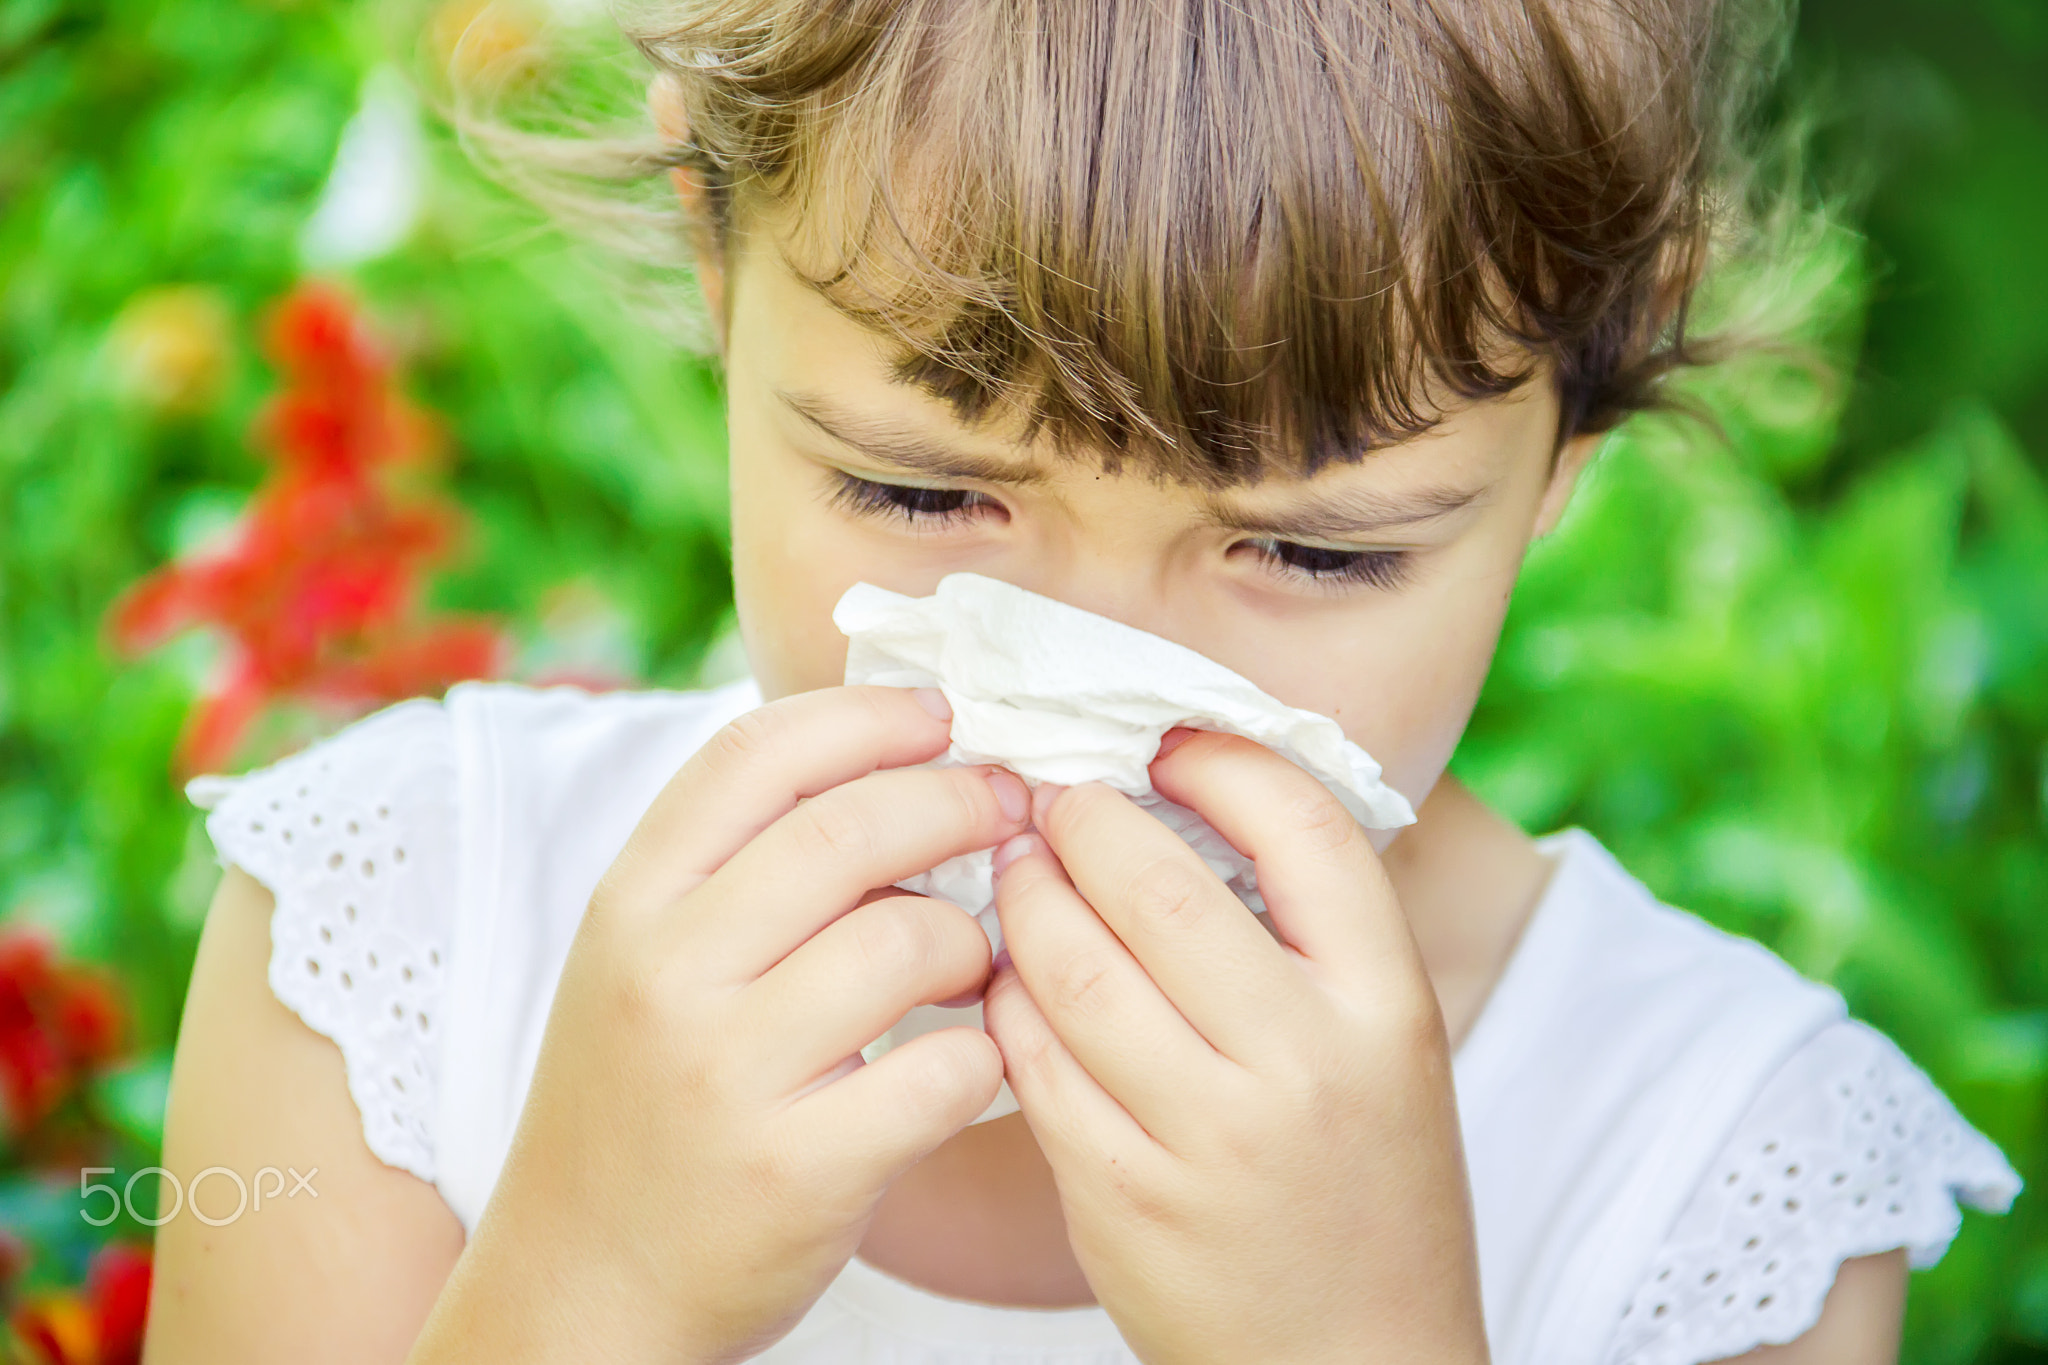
(701, 1148)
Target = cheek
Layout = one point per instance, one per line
(1430, 701)
(788, 573)
(1402, 672)
(794, 556)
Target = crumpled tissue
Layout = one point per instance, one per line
(1057, 694)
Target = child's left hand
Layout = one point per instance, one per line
(1256, 1145)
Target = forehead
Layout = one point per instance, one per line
(786, 334)
(791, 350)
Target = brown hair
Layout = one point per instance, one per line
(1228, 236)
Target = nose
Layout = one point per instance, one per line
(1121, 548)
(1123, 587)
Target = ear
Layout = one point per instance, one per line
(1572, 459)
(665, 103)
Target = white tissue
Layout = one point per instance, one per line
(1061, 695)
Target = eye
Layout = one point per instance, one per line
(911, 503)
(1333, 568)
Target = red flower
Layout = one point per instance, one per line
(33, 1078)
(117, 1287)
(57, 1022)
(320, 591)
(87, 1016)
(101, 1327)
(14, 1258)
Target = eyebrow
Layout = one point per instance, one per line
(1338, 515)
(1345, 514)
(888, 444)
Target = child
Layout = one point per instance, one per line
(1277, 328)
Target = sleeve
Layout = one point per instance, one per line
(1849, 1150)
(356, 839)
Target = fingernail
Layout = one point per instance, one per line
(1041, 802)
(1172, 740)
(1011, 794)
(934, 701)
(1011, 849)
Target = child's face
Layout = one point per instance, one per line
(1372, 593)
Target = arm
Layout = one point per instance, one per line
(348, 1276)
(1859, 1324)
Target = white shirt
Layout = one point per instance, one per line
(1673, 1139)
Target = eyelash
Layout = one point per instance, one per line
(906, 502)
(913, 505)
(1381, 569)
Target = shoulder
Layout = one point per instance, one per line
(480, 731)
(571, 724)
(575, 763)
(1847, 1150)
(1636, 1010)
(476, 765)
(1613, 1058)
(1642, 951)
(428, 865)
(1657, 1077)
(348, 836)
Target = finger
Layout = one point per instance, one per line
(1070, 1114)
(890, 1113)
(811, 866)
(1188, 931)
(1324, 887)
(853, 980)
(1110, 1016)
(755, 770)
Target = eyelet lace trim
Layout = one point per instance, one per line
(353, 837)
(1849, 1151)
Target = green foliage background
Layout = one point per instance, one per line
(1797, 680)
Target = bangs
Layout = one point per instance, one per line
(1217, 237)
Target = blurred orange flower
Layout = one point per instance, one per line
(478, 38)
(171, 347)
(102, 1325)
